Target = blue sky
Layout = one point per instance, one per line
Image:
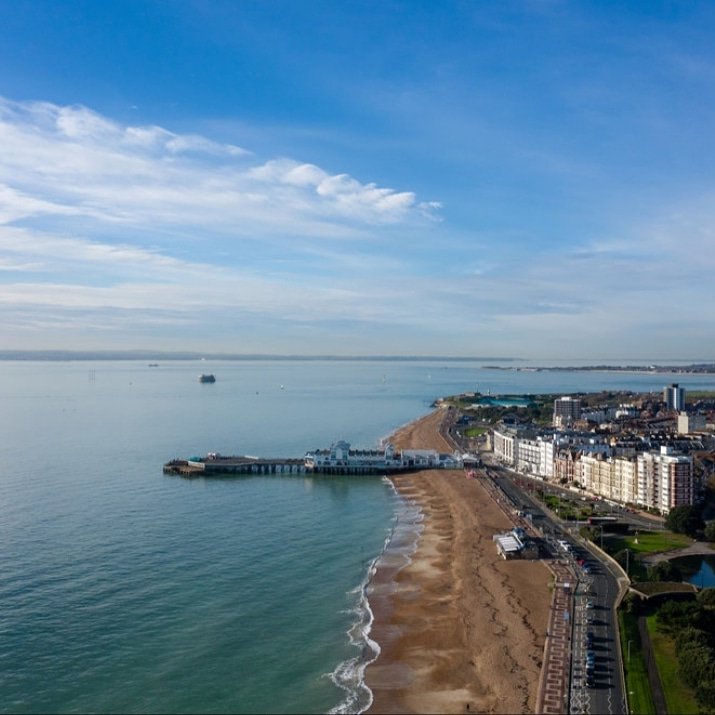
(532, 179)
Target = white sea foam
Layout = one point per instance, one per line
(349, 675)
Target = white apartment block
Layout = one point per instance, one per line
(547, 450)
(526, 455)
(505, 442)
(665, 480)
(660, 480)
(625, 480)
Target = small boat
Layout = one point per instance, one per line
(206, 378)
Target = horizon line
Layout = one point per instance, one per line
(193, 355)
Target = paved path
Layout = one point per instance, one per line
(698, 548)
(556, 669)
(552, 696)
(656, 687)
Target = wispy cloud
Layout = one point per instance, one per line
(140, 234)
(71, 160)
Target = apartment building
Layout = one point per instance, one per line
(566, 411)
(665, 480)
(674, 397)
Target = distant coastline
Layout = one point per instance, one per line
(694, 369)
(68, 355)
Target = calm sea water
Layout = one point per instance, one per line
(124, 590)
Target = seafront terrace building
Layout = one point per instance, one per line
(536, 456)
(525, 451)
(665, 480)
(567, 465)
(627, 471)
(614, 479)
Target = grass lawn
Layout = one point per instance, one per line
(678, 696)
(472, 432)
(637, 686)
(649, 542)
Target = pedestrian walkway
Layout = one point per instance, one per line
(552, 698)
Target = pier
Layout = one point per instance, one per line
(338, 460)
(218, 465)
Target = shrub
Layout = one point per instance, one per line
(709, 533)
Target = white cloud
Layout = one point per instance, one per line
(131, 228)
(343, 192)
(82, 123)
(73, 160)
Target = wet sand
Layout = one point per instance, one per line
(460, 629)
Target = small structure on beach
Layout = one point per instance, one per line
(516, 544)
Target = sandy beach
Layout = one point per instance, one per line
(462, 630)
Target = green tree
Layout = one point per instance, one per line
(710, 531)
(706, 598)
(677, 615)
(705, 694)
(690, 637)
(696, 664)
(664, 571)
(632, 603)
(684, 519)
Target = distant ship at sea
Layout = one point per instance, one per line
(206, 378)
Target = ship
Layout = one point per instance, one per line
(206, 378)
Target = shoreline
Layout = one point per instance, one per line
(459, 629)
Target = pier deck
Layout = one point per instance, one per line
(210, 466)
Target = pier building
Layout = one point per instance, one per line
(338, 459)
(341, 459)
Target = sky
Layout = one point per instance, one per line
(532, 179)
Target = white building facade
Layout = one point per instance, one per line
(665, 480)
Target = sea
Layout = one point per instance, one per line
(126, 590)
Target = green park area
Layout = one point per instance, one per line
(679, 697)
(472, 432)
(647, 542)
(640, 699)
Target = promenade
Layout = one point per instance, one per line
(553, 692)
